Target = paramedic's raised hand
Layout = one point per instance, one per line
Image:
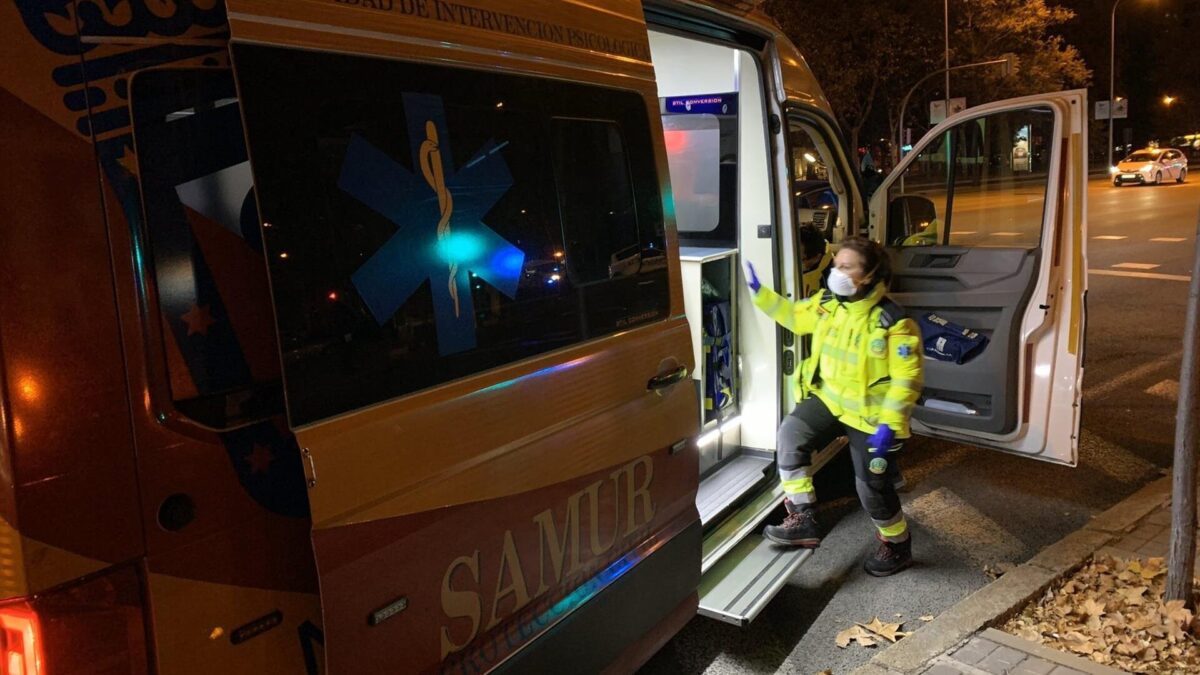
(882, 440)
(752, 278)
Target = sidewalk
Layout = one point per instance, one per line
(961, 641)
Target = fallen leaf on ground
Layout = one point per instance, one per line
(1133, 596)
(998, 570)
(1153, 568)
(889, 631)
(1113, 612)
(855, 633)
(927, 618)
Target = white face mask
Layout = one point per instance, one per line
(841, 284)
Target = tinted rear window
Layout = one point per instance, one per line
(424, 223)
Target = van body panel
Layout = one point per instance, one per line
(68, 480)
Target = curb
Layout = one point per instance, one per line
(1011, 591)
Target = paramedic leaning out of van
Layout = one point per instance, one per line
(864, 375)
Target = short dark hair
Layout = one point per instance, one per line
(876, 262)
(812, 242)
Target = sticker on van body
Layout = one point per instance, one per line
(439, 213)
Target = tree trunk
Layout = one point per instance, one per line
(1183, 488)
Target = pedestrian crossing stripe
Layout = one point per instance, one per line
(964, 529)
(1168, 389)
(1111, 237)
(1173, 240)
(1137, 266)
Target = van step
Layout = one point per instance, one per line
(725, 536)
(727, 484)
(737, 588)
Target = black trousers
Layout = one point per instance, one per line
(809, 428)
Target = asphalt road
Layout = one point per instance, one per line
(969, 507)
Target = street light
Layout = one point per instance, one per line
(1168, 100)
(1010, 66)
(1112, 67)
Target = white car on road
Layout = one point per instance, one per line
(1152, 165)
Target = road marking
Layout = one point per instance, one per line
(1168, 389)
(1111, 237)
(964, 528)
(1141, 275)
(964, 232)
(1111, 459)
(1129, 376)
(1170, 239)
(1137, 266)
(1007, 234)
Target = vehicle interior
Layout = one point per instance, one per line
(716, 125)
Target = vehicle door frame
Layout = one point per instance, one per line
(1062, 260)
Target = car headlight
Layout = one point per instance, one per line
(1113, 169)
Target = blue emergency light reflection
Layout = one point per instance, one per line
(538, 373)
(592, 586)
(508, 261)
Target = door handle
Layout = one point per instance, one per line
(667, 379)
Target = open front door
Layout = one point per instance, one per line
(986, 219)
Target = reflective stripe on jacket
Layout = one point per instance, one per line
(865, 365)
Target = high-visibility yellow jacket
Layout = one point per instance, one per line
(865, 362)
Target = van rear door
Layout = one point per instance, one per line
(485, 358)
(987, 218)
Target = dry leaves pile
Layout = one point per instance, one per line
(870, 634)
(1112, 612)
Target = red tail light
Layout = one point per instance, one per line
(93, 627)
(20, 641)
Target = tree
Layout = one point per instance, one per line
(860, 51)
(988, 29)
(867, 53)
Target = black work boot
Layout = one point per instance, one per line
(799, 528)
(889, 558)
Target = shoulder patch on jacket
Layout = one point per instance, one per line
(890, 312)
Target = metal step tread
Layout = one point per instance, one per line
(741, 584)
(729, 483)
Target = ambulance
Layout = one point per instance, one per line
(378, 336)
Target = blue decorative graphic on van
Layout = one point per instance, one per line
(439, 213)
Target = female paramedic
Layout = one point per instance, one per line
(863, 376)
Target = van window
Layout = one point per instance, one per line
(445, 222)
(981, 183)
(201, 247)
(701, 136)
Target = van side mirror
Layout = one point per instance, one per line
(909, 215)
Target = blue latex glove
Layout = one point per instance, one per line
(752, 278)
(882, 440)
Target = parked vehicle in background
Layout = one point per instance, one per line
(1151, 165)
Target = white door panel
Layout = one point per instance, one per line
(999, 248)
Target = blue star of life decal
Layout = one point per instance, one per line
(904, 351)
(439, 214)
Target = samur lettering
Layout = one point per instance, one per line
(484, 590)
(503, 22)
